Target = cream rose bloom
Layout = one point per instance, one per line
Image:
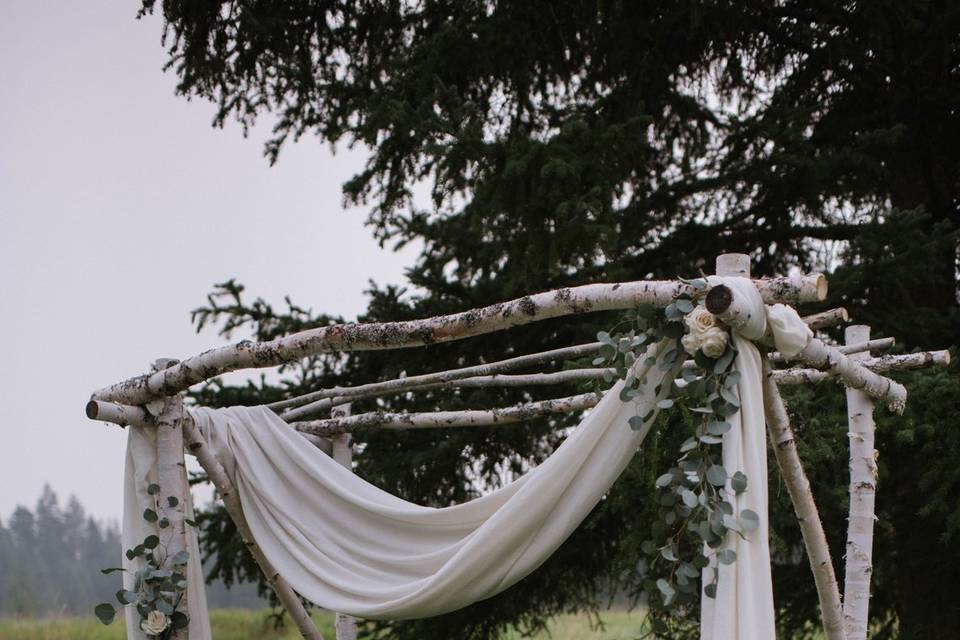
(713, 342)
(704, 333)
(155, 623)
(690, 342)
(699, 320)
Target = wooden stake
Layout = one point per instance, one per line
(231, 500)
(863, 488)
(345, 625)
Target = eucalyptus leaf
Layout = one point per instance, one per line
(179, 620)
(151, 542)
(726, 556)
(153, 489)
(179, 558)
(149, 515)
(717, 475)
(739, 482)
(749, 520)
(105, 612)
(710, 590)
(172, 501)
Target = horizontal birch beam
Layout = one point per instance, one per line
(322, 399)
(880, 364)
(871, 345)
(124, 415)
(315, 402)
(314, 430)
(435, 419)
(722, 302)
(412, 333)
(828, 318)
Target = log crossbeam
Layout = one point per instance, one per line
(394, 335)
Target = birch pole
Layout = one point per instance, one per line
(798, 486)
(345, 625)
(231, 501)
(863, 488)
(174, 490)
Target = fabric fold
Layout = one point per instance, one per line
(349, 546)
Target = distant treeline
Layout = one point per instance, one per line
(50, 561)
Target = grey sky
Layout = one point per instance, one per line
(119, 208)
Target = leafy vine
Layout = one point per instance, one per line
(695, 515)
(159, 586)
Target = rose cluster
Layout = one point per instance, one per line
(704, 333)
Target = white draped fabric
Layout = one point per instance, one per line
(743, 606)
(140, 472)
(351, 547)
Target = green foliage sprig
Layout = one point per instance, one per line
(159, 586)
(695, 515)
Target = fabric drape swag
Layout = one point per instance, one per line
(349, 546)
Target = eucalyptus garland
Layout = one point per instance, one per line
(695, 515)
(159, 586)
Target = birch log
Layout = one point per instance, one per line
(798, 486)
(828, 318)
(231, 500)
(173, 496)
(345, 626)
(393, 335)
(882, 364)
(863, 488)
(470, 418)
(322, 399)
(721, 302)
(127, 414)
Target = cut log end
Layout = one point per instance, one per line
(719, 299)
(93, 409)
(818, 286)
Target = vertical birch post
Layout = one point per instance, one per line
(791, 469)
(346, 626)
(172, 499)
(863, 488)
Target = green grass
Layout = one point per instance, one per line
(237, 624)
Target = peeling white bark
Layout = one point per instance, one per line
(863, 488)
(393, 335)
(828, 318)
(798, 486)
(317, 401)
(877, 365)
(871, 345)
(854, 375)
(231, 500)
(469, 418)
(722, 302)
(172, 478)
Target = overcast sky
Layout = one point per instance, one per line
(120, 206)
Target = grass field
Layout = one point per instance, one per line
(234, 624)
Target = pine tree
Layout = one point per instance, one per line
(572, 142)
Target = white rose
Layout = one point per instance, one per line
(699, 320)
(690, 342)
(713, 342)
(155, 623)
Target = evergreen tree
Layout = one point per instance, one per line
(571, 142)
